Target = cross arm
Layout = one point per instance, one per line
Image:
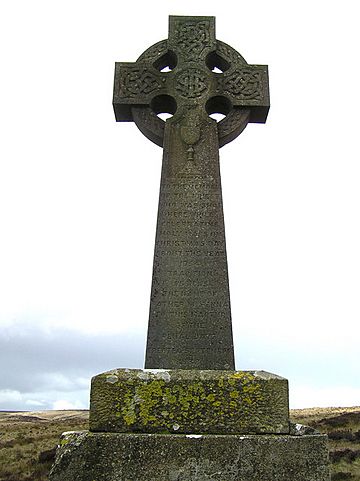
(247, 86)
(135, 84)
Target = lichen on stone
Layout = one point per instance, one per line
(216, 401)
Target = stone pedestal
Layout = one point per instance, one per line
(189, 401)
(86, 456)
(178, 425)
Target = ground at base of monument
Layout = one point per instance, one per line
(87, 456)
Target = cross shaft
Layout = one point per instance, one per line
(190, 318)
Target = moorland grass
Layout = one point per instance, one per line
(28, 440)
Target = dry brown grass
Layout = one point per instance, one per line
(342, 425)
(26, 437)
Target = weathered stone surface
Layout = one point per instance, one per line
(85, 456)
(190, 317)
(181, 401)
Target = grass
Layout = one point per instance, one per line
(27, 444)
(343, 428)
(28, 440)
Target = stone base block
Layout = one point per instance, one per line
(181, 401)
(86, 456)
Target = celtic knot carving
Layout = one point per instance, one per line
(228, 53)
(191, 83)
(149, 124)
(244, 84)
(231, 121)
(232, 125)
(138, 81)
(154, 52)
(192, 38)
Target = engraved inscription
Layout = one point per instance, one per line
(190, 289)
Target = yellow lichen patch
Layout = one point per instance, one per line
(243, 376)
(149, 395)
(128, 409)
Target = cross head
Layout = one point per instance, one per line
(191, 53)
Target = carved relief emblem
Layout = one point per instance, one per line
(139, 81)
(191, 83)
(244, 84)
(190, 132)
(192, 37)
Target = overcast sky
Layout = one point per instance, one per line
(79, 193)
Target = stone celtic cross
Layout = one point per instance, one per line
(190, 318)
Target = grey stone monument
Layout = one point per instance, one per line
(189, 415)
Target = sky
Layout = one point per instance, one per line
(79, 194)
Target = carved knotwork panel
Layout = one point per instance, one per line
(192, 38)
(244, 84)
(135, 82)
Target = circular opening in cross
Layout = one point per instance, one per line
(164, 106)
(218, 107)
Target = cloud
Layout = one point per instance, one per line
(43, 367)
(43, 400)
(307, 396)
(64, 404)
(9, 396)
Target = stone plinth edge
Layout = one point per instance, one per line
(86, 456)
(189, 401)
